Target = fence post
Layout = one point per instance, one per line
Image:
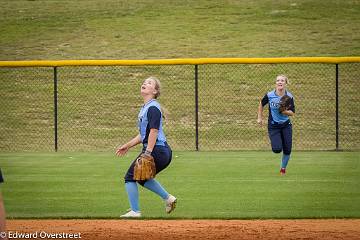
(337, 107)
(55, 110)
(196, 110)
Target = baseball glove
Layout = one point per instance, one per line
(285, 103)
(144, 168)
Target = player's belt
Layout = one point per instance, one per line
(279, 124)
(158, 143)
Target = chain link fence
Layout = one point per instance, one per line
(97, 107)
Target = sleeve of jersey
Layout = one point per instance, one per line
(292, 108)
(154, 117)
(265, 100)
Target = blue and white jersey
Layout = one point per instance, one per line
(150, 117)
(275, 117)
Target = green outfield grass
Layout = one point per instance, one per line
(98, 107)
(222, 185)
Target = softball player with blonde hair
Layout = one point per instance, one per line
(152, 136)
(279, 124)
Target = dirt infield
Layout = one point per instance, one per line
(187, 229)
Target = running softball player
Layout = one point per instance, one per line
(154, 143)
(279, 124)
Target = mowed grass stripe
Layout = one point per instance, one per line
(223, 185)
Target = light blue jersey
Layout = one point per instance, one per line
(275, 117)
(148, 119)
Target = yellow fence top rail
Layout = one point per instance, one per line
(184, 61)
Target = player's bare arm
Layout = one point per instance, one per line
(288, 113)
(122, 150)
(152, 139)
